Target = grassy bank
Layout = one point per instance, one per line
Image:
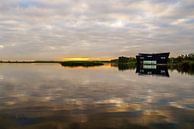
(30, 62)
(82, 63)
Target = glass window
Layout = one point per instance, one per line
(149, 62)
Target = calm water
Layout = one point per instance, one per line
(49, 96)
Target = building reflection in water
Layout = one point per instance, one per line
(158, 70)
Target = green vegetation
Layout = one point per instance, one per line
(182, 63)
(82, 63)
(122, 59)
(124, 63)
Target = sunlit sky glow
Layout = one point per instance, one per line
(58, 29)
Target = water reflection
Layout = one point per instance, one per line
(93, 98)
(123, 66)
(159, 70)
(154, 69)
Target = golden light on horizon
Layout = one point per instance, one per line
(76, 59)
(85, 59)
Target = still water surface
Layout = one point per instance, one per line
(49, 96)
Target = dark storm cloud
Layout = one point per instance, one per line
(89, 28)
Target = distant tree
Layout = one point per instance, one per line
(123, 59)
(185, 57)
(191, 56)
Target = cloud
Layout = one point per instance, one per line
(1, 46)
(49, 29)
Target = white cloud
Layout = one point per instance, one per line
(118, 24)
(1, 46)
(32, 28)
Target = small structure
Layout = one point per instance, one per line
(152, 59)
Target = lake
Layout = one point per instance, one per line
(50, 96)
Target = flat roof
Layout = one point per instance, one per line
(165, 53)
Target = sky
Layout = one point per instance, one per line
(56, 29)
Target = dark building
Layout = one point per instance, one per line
(152, 59)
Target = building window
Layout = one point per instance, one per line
(149, 62)
(162, 57)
